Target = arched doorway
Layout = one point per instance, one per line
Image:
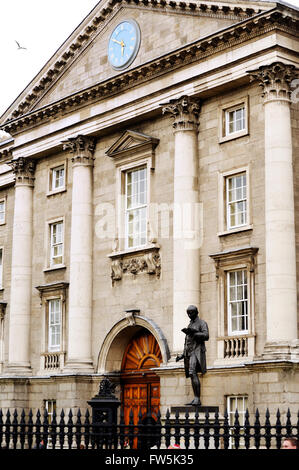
(140, 386)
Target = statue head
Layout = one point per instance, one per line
(192, 311)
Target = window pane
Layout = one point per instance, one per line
(136, 200)
(58, 177)
(236, 200)
(235, 120)
(54, 324)
(237, 302)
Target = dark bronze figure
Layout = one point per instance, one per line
(194, 354)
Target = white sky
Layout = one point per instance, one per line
(41, 26)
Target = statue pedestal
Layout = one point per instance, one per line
(202, 410)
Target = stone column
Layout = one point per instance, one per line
(186, 240)
(281, 291)
(81, 274)
(21, 268)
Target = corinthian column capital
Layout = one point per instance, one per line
(185, 112)
(24, 169)
(275, 80)
(82, 149)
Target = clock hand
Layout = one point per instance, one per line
(118, 42)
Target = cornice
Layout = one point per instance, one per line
(195, 51)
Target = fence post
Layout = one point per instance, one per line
(104, 415)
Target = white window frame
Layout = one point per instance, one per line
(238, 302)
(50, 406)
(231, 410)
(138, 207)
(224, 112)
(53, 245)
(3, 201)
(55, 324)
(52, 178)
(236, 201)
(233, 111)
(223, 212)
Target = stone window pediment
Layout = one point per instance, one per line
(132, 146)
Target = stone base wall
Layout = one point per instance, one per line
(268, 386)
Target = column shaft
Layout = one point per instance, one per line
(186, 239)
(21, 269)
(281, 289)
(79, 354)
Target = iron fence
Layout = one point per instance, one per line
(191, 431)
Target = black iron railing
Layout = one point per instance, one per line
(191, 431)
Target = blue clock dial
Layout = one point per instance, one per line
(124, 44)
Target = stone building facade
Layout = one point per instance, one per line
(139, 178)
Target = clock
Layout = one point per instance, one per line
(124, 44)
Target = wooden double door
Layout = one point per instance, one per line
(140, 385)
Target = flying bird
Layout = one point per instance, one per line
(20, 47)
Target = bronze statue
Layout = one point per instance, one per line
(194, 354)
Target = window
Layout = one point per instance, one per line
(136, 207)
(240, 404)
(56, 242)
(236, 200)
(235, 120)
(53, 332)
(234, 208)
(2, 211)
(54, 328)
(57, 178)
(50, 406)
(235, 274)
(237, 305)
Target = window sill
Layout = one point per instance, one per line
(55, 268)
(244, 228)
(57, 191)
(235, 135)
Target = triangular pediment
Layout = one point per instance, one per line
(131, 141)
(165, 25)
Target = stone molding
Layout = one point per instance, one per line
(226, 258)
(146, 260)
(25, 117)
(24, 170)
(275, 80)
(185, 112)
(82, 149)
(124, 323)
(132, 146)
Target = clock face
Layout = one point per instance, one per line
(124, 44)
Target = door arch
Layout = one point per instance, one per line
(140, 385)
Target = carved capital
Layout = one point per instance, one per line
(82, 149)
(24, 169)
(275, 80)
(185, 112)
